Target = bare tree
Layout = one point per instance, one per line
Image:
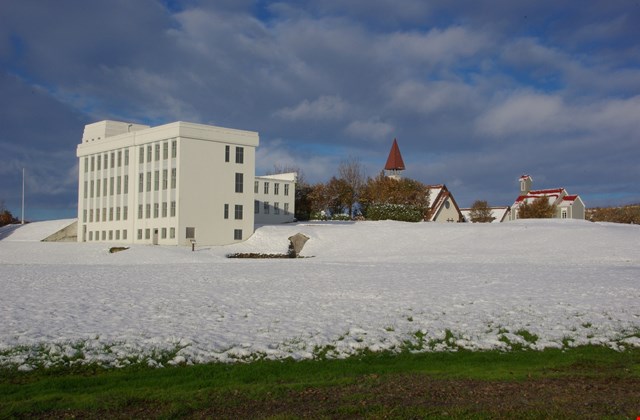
(352, 173)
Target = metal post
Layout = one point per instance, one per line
(22, 196)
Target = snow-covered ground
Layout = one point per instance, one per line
(365, 285)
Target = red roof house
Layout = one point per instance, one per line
(567, 206)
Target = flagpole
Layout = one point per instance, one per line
(23, 196)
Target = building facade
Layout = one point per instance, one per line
(274, 198)
(171, 184)
(566, 206)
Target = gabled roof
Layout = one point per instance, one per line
(394, 161)
(438, 195)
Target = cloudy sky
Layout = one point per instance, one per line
(476, 92)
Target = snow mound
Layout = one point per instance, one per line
(34, 231)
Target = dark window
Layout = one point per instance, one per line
(239, 154)
(239, 182)
(226, 211)
(191, 233)
(238, 212)
(237, 234)
(227, 152)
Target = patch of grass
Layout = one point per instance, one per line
(90, 391)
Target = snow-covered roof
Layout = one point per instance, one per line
(289, 176)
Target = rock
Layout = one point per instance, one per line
(296, 243)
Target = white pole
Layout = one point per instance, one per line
(23, 196)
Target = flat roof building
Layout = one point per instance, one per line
(171, 184)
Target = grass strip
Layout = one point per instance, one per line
(370, 385)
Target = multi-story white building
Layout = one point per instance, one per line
(171, 184)
(274, 198)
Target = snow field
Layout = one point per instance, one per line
(366, 285)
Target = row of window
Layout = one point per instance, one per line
(95, 235)
(108, 186)
(267, 207)
(114, 213)
(237, 213)
(153, 151)
(144, 211)
(239, 154)
(110, 160)
(276, 188)
(163, 233)
(157, 179)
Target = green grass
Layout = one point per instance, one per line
(176, 391)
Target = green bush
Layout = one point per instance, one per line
(400, 212)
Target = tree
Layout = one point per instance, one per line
(481, 212)
(6, 218)
(540, 208)
(350, 171)
(398, 199)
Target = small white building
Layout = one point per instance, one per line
(498, 214)
(443, 207)
(274, 198)
(567, 206)
(171, 184)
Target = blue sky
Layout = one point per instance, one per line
(477, 93)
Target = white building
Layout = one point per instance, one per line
(171, 184)
(566, 206)
(274, 198)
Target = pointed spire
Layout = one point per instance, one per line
(394, 161)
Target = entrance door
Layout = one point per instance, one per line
(155, 236)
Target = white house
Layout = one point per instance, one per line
(499, 214)
(171, 184)
(443, 207)
(567, 206)
(274, 198)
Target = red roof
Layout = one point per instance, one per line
(394, 161)
(570, 197)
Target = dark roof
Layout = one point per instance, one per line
(394, 161)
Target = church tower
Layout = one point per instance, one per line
(394, 162)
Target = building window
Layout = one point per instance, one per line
(165, 181)
(104, 235)
(97, 215)
(256, 184)
(139, 233)
(256, 206)
(286, 189)
(104, 214)
(173, 209)
(124, 234)
(113, 155)
(111, 182)
(93, 161)
(140, 209)
(276, 208)
(119, 185)
(238, 212)
(266, 188)
(156, 180)
(111, 235)
(110, 214)
(118, 211)
(564, 213)
(265, 207)
(126, 184)
(190, 233)
(156, 210)
(149, 149)
(106, 161)
(99, 160)
(286, 208)
(125, 213)
(239, 154)
(239, 182)
(119, 158)
(174, 148)
(86, 188)
(126, 163)
(98, 188)
(117, 235)
(164, 209)
(91, 235)
(227, 152)
(147, 234)
(172, 233)
(104, 187)
(91, 215)
(157, 148)
(165, 151)
(174, 176)
(91, 190)
(86, 164)
(237, 234)
(147, 212)
(149, 181)
(163, 232)
(141, 182)
(84, 216)
(276, 188)
(226, 211)
(141, 152)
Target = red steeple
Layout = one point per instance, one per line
(394, 161)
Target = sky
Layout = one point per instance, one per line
(476, 92)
